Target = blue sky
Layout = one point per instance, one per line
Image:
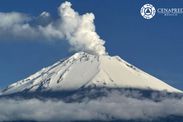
(154, 45)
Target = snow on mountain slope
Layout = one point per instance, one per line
(85, 70)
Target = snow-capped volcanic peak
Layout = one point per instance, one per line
(83, 70)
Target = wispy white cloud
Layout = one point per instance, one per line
(115, 106)
(78, 30)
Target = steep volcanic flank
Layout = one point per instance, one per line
(83, 70)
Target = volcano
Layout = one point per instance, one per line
(83, 71)
(98, 81)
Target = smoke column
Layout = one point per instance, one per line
(78, 30)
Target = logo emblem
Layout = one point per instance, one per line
(148, 11)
